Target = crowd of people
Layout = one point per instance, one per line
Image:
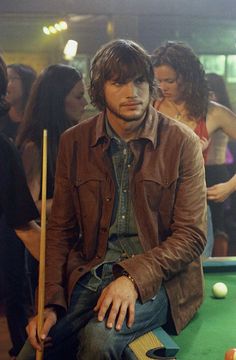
(135, 196)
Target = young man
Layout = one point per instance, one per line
(128, 218)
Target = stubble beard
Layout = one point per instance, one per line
(131, 118)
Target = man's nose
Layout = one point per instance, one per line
(131, 89)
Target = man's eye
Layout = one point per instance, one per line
(140, 80)
(117, 83)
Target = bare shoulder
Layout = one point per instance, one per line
(220, 117)
(216, 109)
(30, 153)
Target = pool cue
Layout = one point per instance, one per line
(41, 281)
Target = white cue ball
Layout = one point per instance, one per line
(219, 290)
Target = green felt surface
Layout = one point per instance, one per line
(213, 330)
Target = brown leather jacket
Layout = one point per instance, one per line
(169, 199)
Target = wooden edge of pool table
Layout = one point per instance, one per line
(220, 264)
(151, 340)
(158, 337)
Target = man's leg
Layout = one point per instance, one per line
(98, 342)
(65, 333)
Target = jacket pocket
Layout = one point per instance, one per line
(89, 194)
(88, 200)
(158, 192)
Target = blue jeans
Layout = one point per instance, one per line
(79, 335)
(210, 236)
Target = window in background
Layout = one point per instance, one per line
(214, 63)
(231, 69)
(82, 62)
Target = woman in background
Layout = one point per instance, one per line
(17, 275)
(20, 80)
(217, 173)
(183, 96)
(56, 103)
(17, 212)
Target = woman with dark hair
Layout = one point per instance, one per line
(4, 106)
(218, 177)
(17, 212)
(182, 87)
(217, 89)
(183, 95)
(56, 103)
(20, 80)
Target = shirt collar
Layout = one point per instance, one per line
(149, 130)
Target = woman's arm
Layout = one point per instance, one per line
(220, 117)
(32, 165)
(220, 192)
(30, 235)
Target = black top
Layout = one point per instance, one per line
(16, 202)
(9, 127)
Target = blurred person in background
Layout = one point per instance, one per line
(18, 261)
(184, 96)
(219, 180)
(57, 102)
(17, 211)
(20, 81)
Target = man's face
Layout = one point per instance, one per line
(127, 101)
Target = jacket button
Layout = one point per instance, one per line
(108, 199)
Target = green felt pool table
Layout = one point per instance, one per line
(213, 330)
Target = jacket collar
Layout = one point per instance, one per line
(147, 131)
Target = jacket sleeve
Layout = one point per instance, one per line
(62, 229)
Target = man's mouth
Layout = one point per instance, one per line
(132, 103)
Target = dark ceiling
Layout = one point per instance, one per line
(209, 26)
(215, 8)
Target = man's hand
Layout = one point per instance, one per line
(118, 299)
(50, 319)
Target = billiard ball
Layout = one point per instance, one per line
(219, 290)
(230, 354)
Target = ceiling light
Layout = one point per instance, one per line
(70, 49)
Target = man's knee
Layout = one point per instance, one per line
(97, 340)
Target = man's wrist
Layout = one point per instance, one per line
(125, 273)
